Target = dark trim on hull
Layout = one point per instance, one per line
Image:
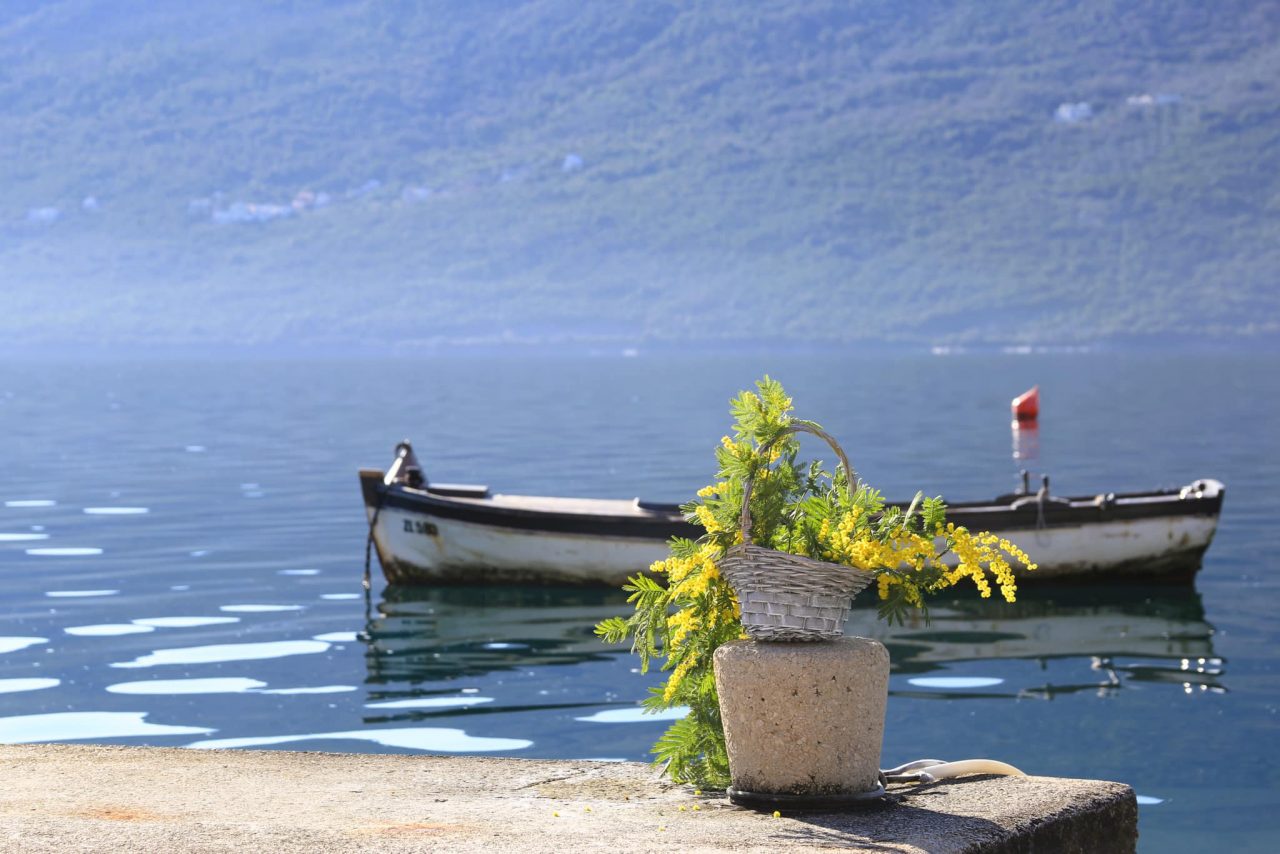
(653, 526)
(1171, 568)
(663, 525)
(401, 572)
(1028, 517)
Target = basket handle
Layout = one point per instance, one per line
(744, 521)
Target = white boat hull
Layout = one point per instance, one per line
(1152, 547)
(415, 547)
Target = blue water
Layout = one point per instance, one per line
(181, 548)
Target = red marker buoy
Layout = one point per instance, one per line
(1026, 406)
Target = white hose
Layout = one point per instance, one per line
(933, 770)
(947, 770)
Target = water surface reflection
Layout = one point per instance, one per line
(1106, 635)
(425, 634)
(1117, 634)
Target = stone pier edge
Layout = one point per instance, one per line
(92, 798)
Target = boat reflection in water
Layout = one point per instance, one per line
(426, 634)
(1119, 635)
(504, 660)
(427, 642)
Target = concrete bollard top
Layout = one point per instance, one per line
(803, 720)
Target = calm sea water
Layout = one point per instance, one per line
(181, 548)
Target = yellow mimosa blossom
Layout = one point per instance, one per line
(707, 519)
(883, 582)
(673, 681)
(712, 489)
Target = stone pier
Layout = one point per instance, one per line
(72, 798)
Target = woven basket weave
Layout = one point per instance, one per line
(786, 597)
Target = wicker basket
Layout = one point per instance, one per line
(786, 597)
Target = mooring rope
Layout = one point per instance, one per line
(368, 543)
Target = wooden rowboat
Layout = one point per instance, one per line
(453, 533)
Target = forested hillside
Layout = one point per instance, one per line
(228, 172)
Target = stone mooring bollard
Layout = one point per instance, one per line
(803, 722)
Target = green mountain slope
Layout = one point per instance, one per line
(417, 172)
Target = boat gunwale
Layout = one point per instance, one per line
(640, 524)
(648, 523)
